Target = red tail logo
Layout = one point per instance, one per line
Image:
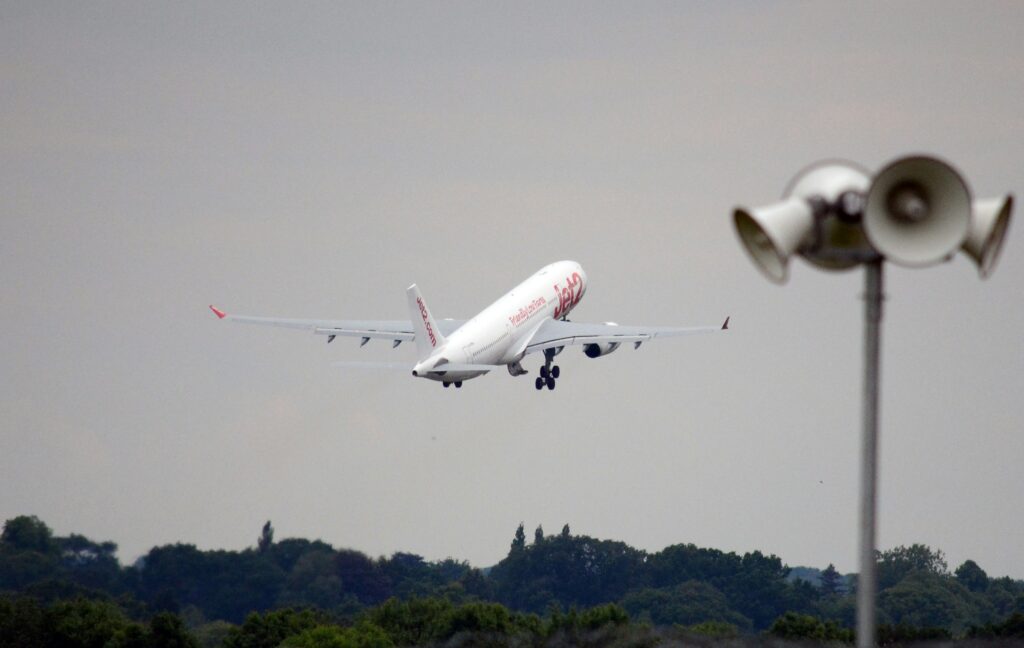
(426, 322)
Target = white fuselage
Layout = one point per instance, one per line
(499, 334)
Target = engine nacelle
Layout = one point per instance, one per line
(602, 348)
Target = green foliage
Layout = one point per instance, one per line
(326, 636)
(23, 623)
(574, 570)
(266, 539)
(83, 623)
(688, 603)
(224, 584)
(287, 552)
(488, 618)
(926, 599)
(713, 629)
(903, 634)
(27, 533)
(898, 563)
(831, 580)
(409, 622)
(971, 576)
(212, 634)
(519, 541)
(313, 581)
(364, 578)
(1011, 628)
(803, 626)
(82, 596)
(168, 631)
(270, 629)
(601, 625)
(754, 585)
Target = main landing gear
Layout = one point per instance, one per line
(548, 374)
(458, 384)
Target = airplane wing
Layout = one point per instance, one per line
(556, 333)
(397, 330)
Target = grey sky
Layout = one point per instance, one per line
(313, 160)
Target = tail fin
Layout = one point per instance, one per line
(428, 336)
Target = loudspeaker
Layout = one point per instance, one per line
(839, 242)
(811, 219)
(917, 211)
(989, 221)
(772, 234)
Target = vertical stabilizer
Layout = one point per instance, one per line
(428, 336)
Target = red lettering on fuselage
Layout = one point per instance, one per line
(426, 322)
(568, 296)
(526, 312)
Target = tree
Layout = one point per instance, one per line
(565, 531)
(831, 580)
(266, 539)
(927, 600)
(802, 627)
(27, 533)
(23, 623)
(897, 563)
(519, 542)
(82, 622)
(538, 535)
(363, 635)
(270, 629)
(168, 631)
(972, 576)
(688, 603)
(362, 576)
(313, 581)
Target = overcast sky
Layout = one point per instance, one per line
(314, 160)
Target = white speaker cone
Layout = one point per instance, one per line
(918, 211)
(990, 220)
(772, 234)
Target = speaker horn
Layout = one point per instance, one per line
(808, 220)
(839, 242)
(918, 211)
(989, 221)
(772, 234)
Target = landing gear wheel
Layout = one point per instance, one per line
(551, 382)
(446, 384)
(458, 384)
(555, 371)
(543, 372)
(539, 383)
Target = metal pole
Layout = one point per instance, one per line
(867, 581)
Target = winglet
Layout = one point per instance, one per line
(219, 313)
(725, 324)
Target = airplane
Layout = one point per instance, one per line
(530, 318)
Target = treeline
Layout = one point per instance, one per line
(544, 591)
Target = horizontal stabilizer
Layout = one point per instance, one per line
(366, 364)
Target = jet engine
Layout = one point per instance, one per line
(601, 348)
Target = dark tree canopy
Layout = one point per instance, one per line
(681, 585)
